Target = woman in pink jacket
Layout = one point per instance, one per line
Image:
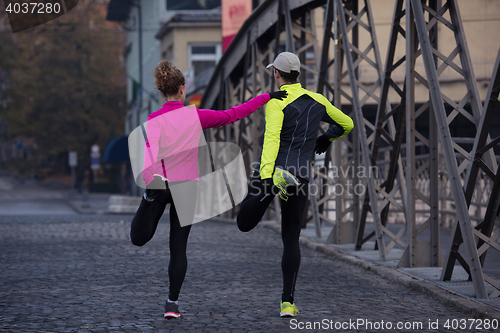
(173, 134)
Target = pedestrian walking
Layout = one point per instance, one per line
(290, 137)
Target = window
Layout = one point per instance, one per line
(192, 4)
(210, 49)
(203, 56)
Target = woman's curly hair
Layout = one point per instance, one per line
(168, 79)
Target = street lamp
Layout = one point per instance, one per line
(134, 189)
(139, 9)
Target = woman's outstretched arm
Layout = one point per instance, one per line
(212, 118)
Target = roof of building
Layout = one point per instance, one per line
(204, 16)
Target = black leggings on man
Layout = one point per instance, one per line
(144, 226)
(253, 208)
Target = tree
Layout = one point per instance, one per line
(67, 86)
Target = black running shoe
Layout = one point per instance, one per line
(172, 310)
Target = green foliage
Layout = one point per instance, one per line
(67, 84)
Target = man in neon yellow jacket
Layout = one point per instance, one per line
(289, 141)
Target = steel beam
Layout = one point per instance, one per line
(388, 133)
(448, 149)
(420, 252)
(481, 146)
(345, 154)
(359, 122)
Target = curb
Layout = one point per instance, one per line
(76, 206)
(88, 206)
(447, 297)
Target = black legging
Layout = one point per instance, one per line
(144, 226)
(253, 208)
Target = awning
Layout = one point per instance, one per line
(117, 150)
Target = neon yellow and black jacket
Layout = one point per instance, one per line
(291, 129)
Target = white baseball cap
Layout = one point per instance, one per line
(286, 62)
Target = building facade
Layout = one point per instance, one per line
(193, 43)
(186, 32)
(144, 21)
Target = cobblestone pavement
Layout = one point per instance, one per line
(81, 274)
(19, 199)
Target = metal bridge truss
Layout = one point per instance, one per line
(478, 164)
(350, 26)
(389, 127)
(332, 64)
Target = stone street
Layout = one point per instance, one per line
(80, 273)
